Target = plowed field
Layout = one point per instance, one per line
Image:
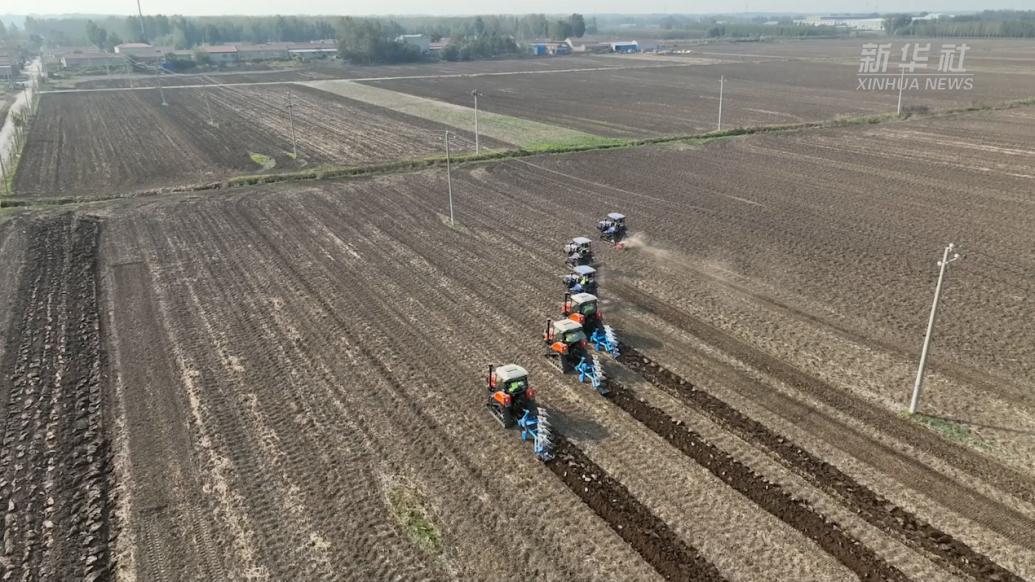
(287, 382)
(679, 100)
(90, 143)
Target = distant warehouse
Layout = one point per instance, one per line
(263, 52)
(313, 50)
(91, 59)
(865, 23)
(625, 47)
(220, 53)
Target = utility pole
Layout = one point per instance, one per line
(3, 173)
(209, 107)
(477, 146)
(919, 384)
(449, 181)
(722, 83)
(291, 116)
(901, 85)
(143, 34)
(160, 90)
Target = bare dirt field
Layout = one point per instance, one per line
(287, 381)
(245, 385)
(111, 142)
(318, 72)
(678, 99)
(983, 55)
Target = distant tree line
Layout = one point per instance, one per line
(366, 41)
(182, 32)
(18, 44)
(990, 23)
(361, 40)
(526, 27)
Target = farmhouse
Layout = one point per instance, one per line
(87, 59)
(313, 50)
(435, 48)
(263, 52)
(221, 53)
(142, 52)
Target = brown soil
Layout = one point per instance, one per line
(872, 507)
(650, 536)
(340, 71)
(116, 143)
(54, 465)
(684, 99)
(279, 355)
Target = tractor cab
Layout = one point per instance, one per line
(578, 252)
(582, 279)
(568, 350)
(509, 393)
(583, 308)
(612, 228)
(565, 336)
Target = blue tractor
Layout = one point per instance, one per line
(613, 229)
(582, 279)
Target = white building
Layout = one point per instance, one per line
(865, 23)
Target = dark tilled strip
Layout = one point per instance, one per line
(768, 495)
(673, 558)
(864, 502)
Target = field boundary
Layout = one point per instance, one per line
(335, 172)
(521, 132)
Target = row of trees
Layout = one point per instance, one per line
(368, 41)
(180, 31)
(187, 32)
(464, 48)
(990, 23)
(18, 44)
(526, 27)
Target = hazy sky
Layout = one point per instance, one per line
(359, 7)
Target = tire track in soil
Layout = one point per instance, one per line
(941, 494)
(767, 495)
(645, 532)
(965, 501)
(163, 514)
(804, 519)
(54, 463)
(285, 353)
(876, 510)
(649, 536)
(278, 440)
(567, 183)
